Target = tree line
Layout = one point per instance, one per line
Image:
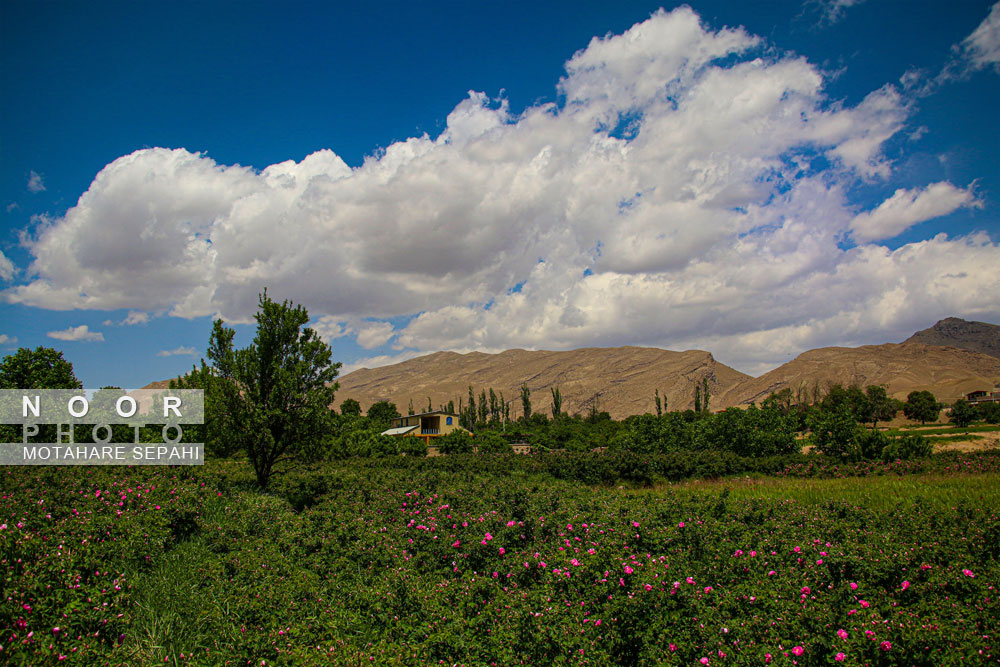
(271, 403)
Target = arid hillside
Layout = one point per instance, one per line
(954, 332)
(621, 379)
(948, 372)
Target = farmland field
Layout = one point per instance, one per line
(487, 561)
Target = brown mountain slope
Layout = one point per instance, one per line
(948, 372)
(623, 379)
(955, 332)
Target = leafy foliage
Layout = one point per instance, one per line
(215, 432)
(922, 406)
(835, 430)
(382, 413)
(351, 407)
(990, 412)
(469, 560)
(275, 393)
(907, 447)
(41, 368)
(962, 413)
(456, 442)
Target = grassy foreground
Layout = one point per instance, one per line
(440, 565)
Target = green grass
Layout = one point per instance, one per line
(954, 438)
(945, 430)
(876, 493)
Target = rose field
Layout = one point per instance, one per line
(498, 560)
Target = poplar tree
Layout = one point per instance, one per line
(494, 408)
(556, 402)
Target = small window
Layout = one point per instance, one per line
(448, 421)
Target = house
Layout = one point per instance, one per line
(981, 396)
(425, 425)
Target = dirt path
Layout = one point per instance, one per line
(990, 440)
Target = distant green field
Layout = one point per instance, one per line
(875, 493)
(935, 429)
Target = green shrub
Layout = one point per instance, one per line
(868, 444)
(835, 433)
(962, 413)
(456, 442)
(907, 447)
(990, 412)
(489, 442)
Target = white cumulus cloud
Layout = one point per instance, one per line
(329, 329)
(35, 183)
(7, 269)
(80, 333)
(7, 340)
(375, 334)
(832, 11)
(979, 50)
(133, 318)
(982, 47)
(908, 207)
(177, 351)
(692, 188)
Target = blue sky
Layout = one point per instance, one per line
(755, 179)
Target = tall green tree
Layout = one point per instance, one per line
(41, 368)
(556, 402)
(963, 413)
(483, 407)
(880, 406)
(350, 408)
(922, 406)
(990, 412)
(382, 412)
(216, 432)
(276, 393)
(835, 431)
(704, 394)
(494, 407)
(470, 419)
(526, 401)
(852, 397)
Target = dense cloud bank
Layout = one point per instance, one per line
(690, 189)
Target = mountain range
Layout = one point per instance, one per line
(950, 359)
